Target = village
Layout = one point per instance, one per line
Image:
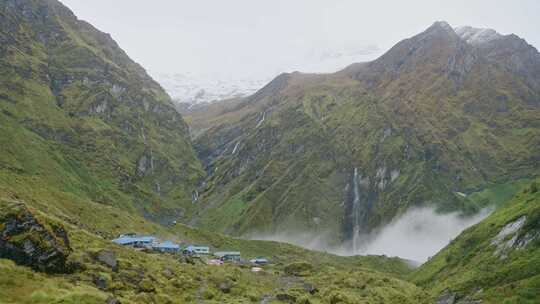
(154, 244)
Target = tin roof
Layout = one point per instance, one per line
(193, 247)
(127, 239)
(225, 253)
(167, 245)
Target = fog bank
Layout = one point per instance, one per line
(420, 233)
(416, 235)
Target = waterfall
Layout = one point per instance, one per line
(356, 212)
(151, 160)
(235, 147)
(195, 196)
(158, 187)
(262, 120)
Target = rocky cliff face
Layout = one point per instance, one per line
(434, 116)
(90, 115)
(29, 242)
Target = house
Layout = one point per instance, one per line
(196, 250)
(135, 241)
(229, 256)
(259, 261)
(166, 247)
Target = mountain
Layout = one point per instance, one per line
(496, 261)
(80, 118)
(442, 119)
(198, 89)
(92, 147)
(190, 89)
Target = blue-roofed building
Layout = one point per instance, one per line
(229, 256)
(166, 247)
(259, 261)
(196, 250)
(135, 241)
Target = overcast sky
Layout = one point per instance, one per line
(250, 38)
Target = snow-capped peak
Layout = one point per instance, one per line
(476, 36)
(195, 89)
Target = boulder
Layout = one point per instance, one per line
(101, 282)
(225, 287)
(111, 300)
(449, 297)
(108, 258)
(29, 241)
(310, 288)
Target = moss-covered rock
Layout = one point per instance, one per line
(31, 242)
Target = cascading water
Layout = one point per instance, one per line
(235, 147)
(261, 121)
(195, 196)
(356, 212)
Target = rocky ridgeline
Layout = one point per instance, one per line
(28, 241)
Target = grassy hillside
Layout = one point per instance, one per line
(496, 261)
(78, 115)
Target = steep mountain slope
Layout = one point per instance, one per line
(78, 116)
(430, 122)
(495, 261)
(91, 147)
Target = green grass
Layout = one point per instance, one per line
(469, 263)
(495, 195)
(144, 277)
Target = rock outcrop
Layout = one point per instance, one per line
(108, 258)
(28, 241)
(449, 297)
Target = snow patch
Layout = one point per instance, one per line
(477, 36)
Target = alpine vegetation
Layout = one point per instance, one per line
(410, 177)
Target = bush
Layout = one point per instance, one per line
(208, 294)
(534, 187)
(299, 269)
(146, 286)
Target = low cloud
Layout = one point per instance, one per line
(416, 235)
(420, 233)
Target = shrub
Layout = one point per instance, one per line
(299, 269)
(534, 187)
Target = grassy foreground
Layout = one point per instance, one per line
(297, 275)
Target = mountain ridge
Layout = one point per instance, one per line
(403, 118)
(88, 115)
(92, 148)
